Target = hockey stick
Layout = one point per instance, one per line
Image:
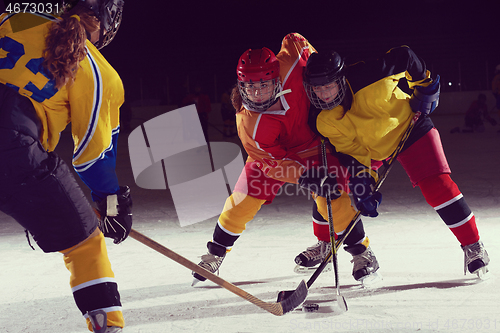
(278, 308)
(282, 295)
(340, 299)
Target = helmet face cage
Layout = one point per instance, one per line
(328, 95)
(259, 96)
(110, 16)
(324, 80)
(258, 78)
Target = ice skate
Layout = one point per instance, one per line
(210, 261)
(476, 259)
(309, 260)
(365, 268)
(99, 319)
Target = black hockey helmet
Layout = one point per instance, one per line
(325, 70)
(109, 14)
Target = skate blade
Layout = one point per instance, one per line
(372, 280)
(196, 281)
(309, 270)
(482, 273)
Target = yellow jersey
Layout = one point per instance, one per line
(380, 111)
(91, 103)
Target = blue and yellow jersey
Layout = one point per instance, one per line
(91, 103)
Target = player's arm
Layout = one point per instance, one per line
(260, 138)
(425, 96)
(94, 156)
(95, 128)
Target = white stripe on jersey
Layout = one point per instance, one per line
(449, 202)
(108, 309)
(255, 133)
(84, 166)
(464, 221)
(227, 231)
(92, 283)
(295, 63)
(96, 107)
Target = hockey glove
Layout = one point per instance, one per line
(426, 99)
(367, 199)
(115, 215)
(318, 181)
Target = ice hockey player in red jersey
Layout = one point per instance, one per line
(272, 121)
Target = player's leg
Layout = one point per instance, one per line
(313, 255)
(252, 190)
(426, 165)
(357, 244)
(51, 206)
(39, 191)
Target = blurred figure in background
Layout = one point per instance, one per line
(474, 117)
(228, 113)
(203, 106)
(495, 87)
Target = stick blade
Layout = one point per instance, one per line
(284, 294)
(342, 303)
(296, 298)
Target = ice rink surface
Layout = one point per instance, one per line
(424, 287)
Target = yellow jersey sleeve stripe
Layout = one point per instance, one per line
(96, 106)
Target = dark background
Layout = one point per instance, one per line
(163, 48)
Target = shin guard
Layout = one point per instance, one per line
(320, 225)
(92, 280)
(238, 210)
(342, 212)
(444, 196)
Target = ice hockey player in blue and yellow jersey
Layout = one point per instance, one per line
(51, 74)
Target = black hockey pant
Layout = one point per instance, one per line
(39, 191)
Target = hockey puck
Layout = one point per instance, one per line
(312, 307)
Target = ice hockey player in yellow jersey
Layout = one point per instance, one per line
(51, 74)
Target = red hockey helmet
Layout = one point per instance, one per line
(258, 65)
(258, 78)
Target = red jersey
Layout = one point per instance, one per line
(280, 140)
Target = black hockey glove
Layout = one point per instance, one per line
(426, 99)
(367, 199)
(115, 215)
(318, 181)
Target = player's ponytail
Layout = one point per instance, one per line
(65, 44)
(236, 99)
